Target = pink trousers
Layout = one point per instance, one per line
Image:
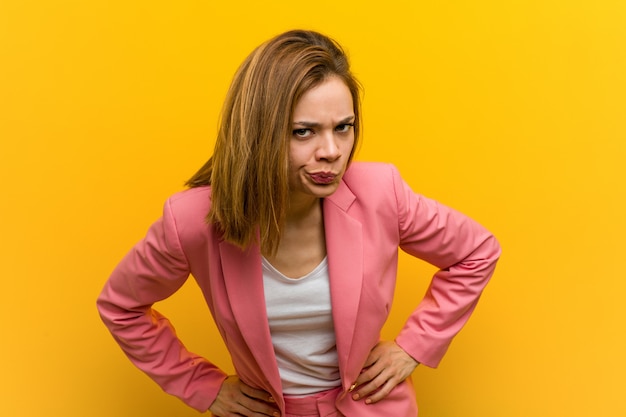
(317, 405)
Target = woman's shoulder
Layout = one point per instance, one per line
(191, 204)
(191, 196)
(185, 214)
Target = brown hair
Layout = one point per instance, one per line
(248, 169)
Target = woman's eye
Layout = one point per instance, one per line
(302, 133)
(344, 128)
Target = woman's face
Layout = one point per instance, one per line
(321, 140)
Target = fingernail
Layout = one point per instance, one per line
(355, 397)
(276, 414)
(368, 401)
(271, 400)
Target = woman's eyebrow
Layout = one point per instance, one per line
(316, 124)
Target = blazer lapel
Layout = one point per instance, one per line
(244, 287)
(344, 245)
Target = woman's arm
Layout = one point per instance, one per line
(466, 254)
(152, 271)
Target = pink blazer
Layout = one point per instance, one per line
(370, 216)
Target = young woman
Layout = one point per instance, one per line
(295, 250)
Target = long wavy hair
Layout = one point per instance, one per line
(249, 167)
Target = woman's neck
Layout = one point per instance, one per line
(301, 209)
(302, 245)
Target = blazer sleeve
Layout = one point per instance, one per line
(466, 255)
(152, 271)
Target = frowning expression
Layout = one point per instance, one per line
(322, 139)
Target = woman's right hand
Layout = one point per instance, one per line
(236, 398)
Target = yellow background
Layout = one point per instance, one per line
(510, 111)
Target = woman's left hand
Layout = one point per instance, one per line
(387, 365)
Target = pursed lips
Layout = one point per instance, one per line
(322, 177)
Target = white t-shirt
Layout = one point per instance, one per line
(301, 325)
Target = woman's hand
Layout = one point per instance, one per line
(238, 399)
(387, 365)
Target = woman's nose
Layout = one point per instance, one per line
(328, 148)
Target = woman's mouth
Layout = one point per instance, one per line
(322, 178)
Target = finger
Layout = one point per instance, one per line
(381, 393)
(247, 407)
(380, 387)
(367, 375)
(256, 408)
(374, 366)
(370, 385)
(233, 400)
(259, 404)
(255, 393)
